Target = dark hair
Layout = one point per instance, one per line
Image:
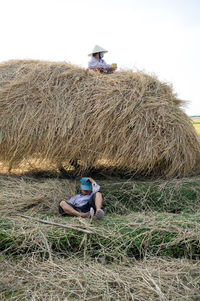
(94, 54)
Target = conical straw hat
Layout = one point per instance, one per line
(97, 49)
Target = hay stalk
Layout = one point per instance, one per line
(57, 224)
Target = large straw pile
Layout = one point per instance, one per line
(127, 121)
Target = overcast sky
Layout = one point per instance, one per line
(160, 37)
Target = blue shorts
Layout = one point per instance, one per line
(85, 208)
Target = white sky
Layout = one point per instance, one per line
(157, 36)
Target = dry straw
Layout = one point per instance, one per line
(31, 196)
(47, 262)
(28, 195)
(74, 279)
(127, 121)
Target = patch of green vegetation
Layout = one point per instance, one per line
(5, 223)
(64, 241)
(117, 238)
(6, 241)
(175, 196)
(119, 234)
(8, 294)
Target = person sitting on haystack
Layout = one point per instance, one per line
(86, 204)
(97, 63)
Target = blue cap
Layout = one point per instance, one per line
(86, 185)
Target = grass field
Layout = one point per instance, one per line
(146, 248)
(196, 123)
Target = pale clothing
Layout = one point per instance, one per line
(94, 64)
(80, 200)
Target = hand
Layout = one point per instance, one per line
(113, 66)
(90, 180)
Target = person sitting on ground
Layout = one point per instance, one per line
(86, 204)
(97, 63)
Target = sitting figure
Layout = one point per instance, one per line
(97, 63)
(86, 204)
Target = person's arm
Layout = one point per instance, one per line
(103, 64)
(106, 68)
(95, 186)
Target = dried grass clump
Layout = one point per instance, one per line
(29, 195)
(128, 121)
(74, 279)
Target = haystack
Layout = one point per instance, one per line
(126, 121)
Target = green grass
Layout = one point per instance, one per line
(196, 124)
(143, 220)
(135, 236)
(10, 294)
(176, 196)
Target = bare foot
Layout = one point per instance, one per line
(85, 215)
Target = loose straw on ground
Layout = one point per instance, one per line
(57, 224)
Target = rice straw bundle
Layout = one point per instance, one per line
(127, 121)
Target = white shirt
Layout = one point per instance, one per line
(94, 64)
